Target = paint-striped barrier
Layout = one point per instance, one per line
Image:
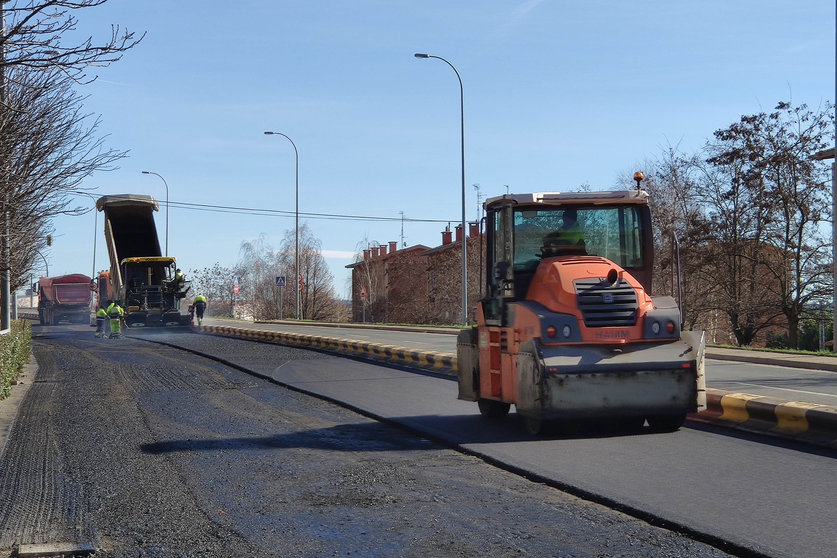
(441, 363)
(809, 422)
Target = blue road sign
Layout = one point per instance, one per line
(280, 280)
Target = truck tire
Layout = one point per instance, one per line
(667, 423)
(490, 408)
(534, 426)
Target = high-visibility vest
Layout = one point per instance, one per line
(102, 313)
(573, 235)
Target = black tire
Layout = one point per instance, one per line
(490, 408)
(667, 423)
(534, 426)
(630, 424)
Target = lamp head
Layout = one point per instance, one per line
(421, 55)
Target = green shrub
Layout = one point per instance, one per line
(777, 341)
(14, 353)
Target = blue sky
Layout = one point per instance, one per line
(558, 93)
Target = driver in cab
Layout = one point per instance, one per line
(568, 239)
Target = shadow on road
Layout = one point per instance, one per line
(455, 430)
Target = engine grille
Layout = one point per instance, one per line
(603, 305)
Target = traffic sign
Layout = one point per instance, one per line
(235, 289)
(280, 280)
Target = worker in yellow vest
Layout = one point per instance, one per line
(115, 314)
(571, 229)
(569, 239)
(200, 307)
(101, 321)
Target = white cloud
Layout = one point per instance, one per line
(521, 11)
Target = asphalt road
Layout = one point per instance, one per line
(778, 499)
(146, 450)
(780, 382)
(786, 382)
(763, 495)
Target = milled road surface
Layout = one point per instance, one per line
(145, 450)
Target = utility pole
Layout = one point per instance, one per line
(403, 244)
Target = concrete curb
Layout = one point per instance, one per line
(796, 420)
(809, 362)
(355, 325)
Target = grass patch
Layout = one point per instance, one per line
(781, 351)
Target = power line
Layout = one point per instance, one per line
(282, 213)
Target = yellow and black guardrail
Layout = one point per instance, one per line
(430, 361)
(809, 422)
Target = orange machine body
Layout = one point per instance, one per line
(571, 330)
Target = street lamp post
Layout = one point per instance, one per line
(464, 229)
(46, 265)
(820, 156)
(95, 235)
(167, 207)
(296, 249)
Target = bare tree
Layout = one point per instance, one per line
(318, 298)
(260, 265)
(48, 145)
(677, 224)
(35, 38)
(766, 199)
(216, 284)
(367, 277)
(49, 148)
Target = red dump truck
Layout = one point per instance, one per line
(65, 297)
